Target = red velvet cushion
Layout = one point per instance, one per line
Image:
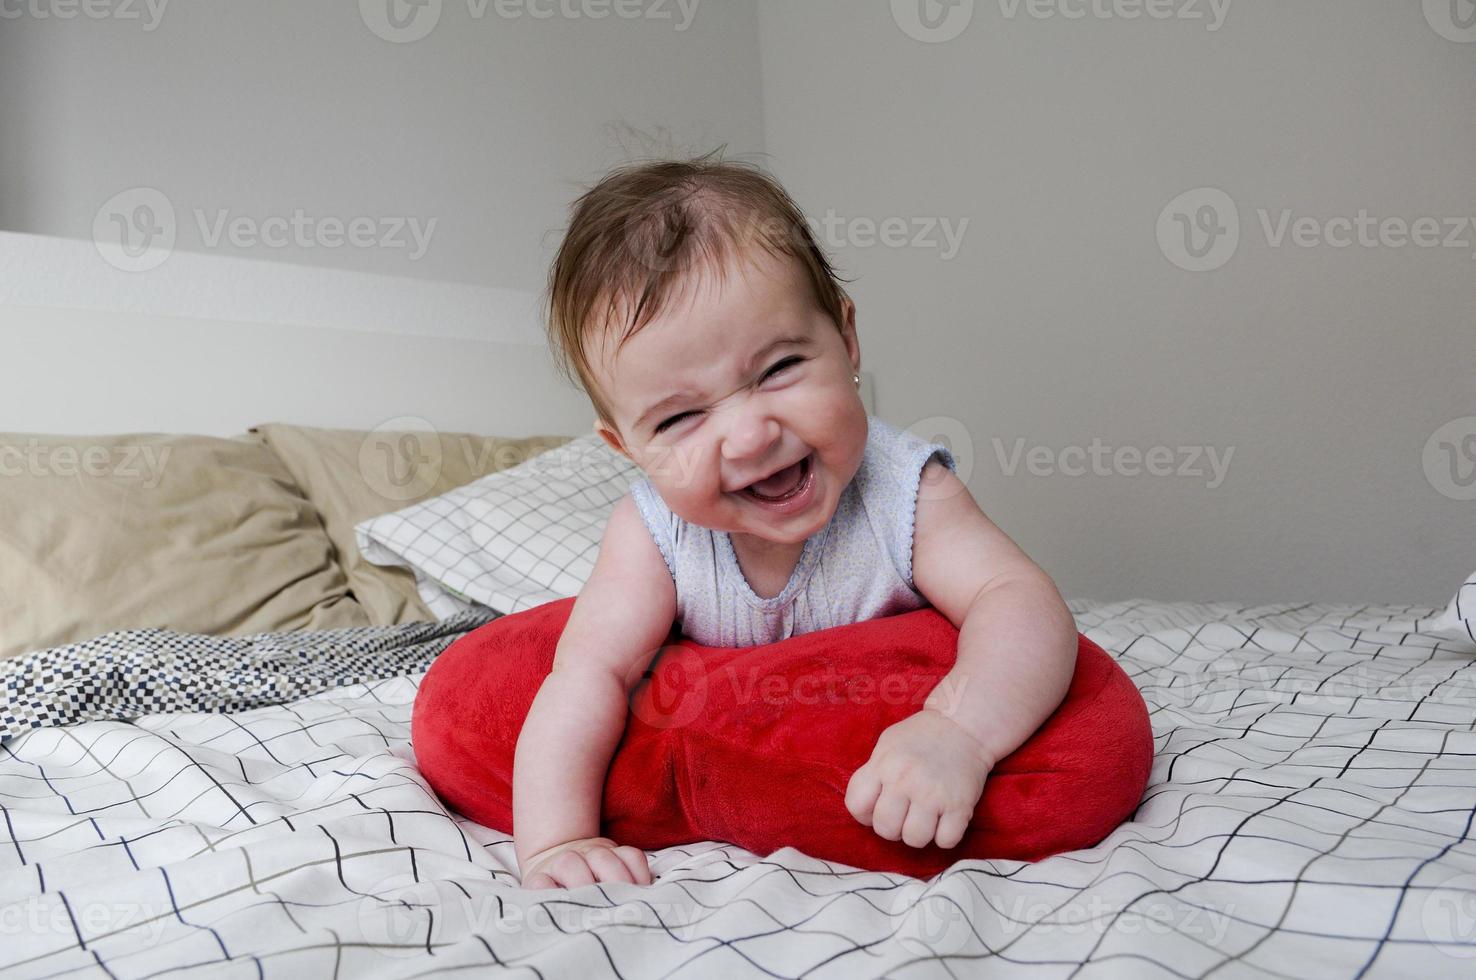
(755, 746)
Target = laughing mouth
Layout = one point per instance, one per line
(805, 466)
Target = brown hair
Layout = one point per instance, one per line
(634, 237)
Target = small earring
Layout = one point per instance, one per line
(856, 378)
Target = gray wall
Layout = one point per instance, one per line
(1060, 320)
(489, 125)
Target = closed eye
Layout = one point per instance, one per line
(782, 365)
(787, 362)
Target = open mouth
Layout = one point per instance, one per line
(786, 484)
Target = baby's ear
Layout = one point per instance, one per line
(611, 437)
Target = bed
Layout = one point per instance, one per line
(245, 801)
(1309, 814)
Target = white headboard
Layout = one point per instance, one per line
(214, 344)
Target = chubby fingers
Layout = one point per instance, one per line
(539, 880)
(921, 824)
(862, 792)
(889, 816)
(569, 869)
(609, 865)
(573, 868)
(952, 827)
(635, 861)
(895, 815)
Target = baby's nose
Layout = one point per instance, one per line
(750, 436)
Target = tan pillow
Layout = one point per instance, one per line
(353, 475)
(192, 533)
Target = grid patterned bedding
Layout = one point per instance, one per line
(1309, 814)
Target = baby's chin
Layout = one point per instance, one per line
(789, 534)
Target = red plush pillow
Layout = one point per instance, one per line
(755, 746)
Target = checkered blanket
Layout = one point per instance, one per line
(1309, 814)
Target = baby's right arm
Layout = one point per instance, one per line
(618, 623)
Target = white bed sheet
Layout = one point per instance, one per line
(1309, 814)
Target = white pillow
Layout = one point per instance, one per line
(1458, 622)
(512, 540)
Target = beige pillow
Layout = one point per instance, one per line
(192, 533)
(353, 475)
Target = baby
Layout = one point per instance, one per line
(720, 355)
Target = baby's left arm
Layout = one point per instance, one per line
(1016, 656)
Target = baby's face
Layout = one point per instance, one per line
(758, 378)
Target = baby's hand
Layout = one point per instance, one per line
(584, 862)
(922, 781)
